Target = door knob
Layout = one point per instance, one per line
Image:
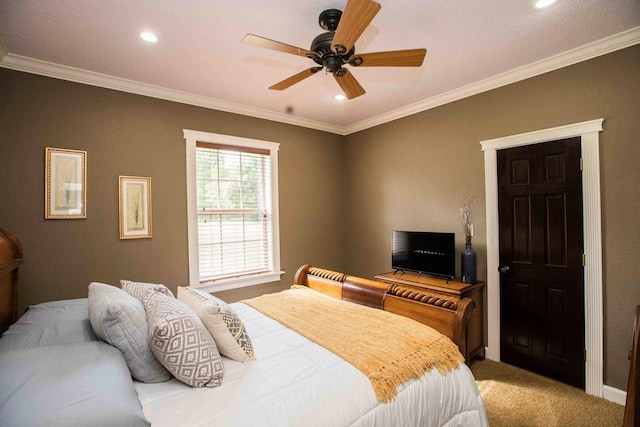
(503, 269)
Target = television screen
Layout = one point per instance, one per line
(424, 252)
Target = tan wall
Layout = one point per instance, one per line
(126, 134)
(410, 174)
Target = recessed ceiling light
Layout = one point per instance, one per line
(543, 3)
(148, 37)
(340, 97)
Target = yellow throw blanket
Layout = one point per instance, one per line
(389, 349)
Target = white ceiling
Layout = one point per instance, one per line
(472, 46)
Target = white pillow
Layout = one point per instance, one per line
(224, 325)
(180, 341)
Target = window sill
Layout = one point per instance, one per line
(240, 282)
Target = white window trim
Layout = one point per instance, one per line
(592, 230)
(192, 137)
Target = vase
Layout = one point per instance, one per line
(468, 263)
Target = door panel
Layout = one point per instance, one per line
(555, 233)
(556, 303)
(522, 298)
(541, 241)
(522, 229)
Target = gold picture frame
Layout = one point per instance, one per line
(65, 184)
(135, 207)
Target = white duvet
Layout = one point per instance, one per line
(294, 382)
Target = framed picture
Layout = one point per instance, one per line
(65, 184)
(135, 207)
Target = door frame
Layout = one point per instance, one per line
(592, 230)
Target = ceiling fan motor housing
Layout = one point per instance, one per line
(329, 59)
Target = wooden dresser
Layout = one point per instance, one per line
(453, 289)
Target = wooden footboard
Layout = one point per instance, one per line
(446, 315)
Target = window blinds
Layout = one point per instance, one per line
(234, 211)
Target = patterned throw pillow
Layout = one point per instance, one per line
(224, 325)
(138, 289)
(180, 341)
(119, 319)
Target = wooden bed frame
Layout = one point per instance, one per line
(448, 316)
(10, 260)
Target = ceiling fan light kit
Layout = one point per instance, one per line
(335, 48)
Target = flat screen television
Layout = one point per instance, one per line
(424, 252)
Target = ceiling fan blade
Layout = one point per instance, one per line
(296, 78)
(253, 40)
(357, 15)
(395, 58)
(349, 84)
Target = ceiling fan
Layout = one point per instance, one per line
(334, 49)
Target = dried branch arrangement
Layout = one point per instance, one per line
(466, 215)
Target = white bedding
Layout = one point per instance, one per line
(294, 382)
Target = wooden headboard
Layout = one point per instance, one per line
(10, 260)
(445, 315)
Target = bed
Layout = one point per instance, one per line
(56, 368)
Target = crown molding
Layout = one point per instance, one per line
(601, 47)
(63, 72)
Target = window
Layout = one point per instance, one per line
(233, 211)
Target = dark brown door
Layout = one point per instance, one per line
(541, 247)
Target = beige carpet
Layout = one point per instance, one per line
(514, 397)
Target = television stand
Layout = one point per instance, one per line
(399, 270)
(452, 288)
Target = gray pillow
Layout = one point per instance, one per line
(138, 289)
(119, 319)
(50, 323)
(70, 385)
(181, 342)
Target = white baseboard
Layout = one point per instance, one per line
(614, 395)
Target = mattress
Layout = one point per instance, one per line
(295, 382)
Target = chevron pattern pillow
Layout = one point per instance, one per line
(180, 341)
(224, 325)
